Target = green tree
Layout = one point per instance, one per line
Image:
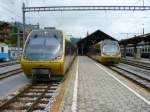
(12, 42)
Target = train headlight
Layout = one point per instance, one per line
(58, 57)
(105, 53)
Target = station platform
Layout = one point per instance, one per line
(143, 60)
(94, 89)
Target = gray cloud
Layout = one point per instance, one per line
(78, 23)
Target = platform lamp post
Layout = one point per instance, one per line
(82, 48)
(18, 38)
(18, 42)
(23, 18)
(143, 28)
(143, 2)
(143, 25)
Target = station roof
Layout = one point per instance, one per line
(135, 40)
(94, 38)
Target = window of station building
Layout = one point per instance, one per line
(148, 49)
(144, 49)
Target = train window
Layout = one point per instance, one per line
(110, 49)
(97, 50)
(149, 50)
(145, 50)
(43, 47)
(127, 50)
(2, 49)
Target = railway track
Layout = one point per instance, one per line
(35, 97)
(10, 73)
(8, 64)
(139, 76)
(137, 64)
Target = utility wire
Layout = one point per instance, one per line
(10, 11)
(4, 13)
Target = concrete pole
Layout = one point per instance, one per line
(124, 50)
(82, 49)
(149, 48)
(135, 51)
(18, 42)
(38, 26)
(23, 12)
(143, 3)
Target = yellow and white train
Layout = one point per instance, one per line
(47, 53)
(106, 51)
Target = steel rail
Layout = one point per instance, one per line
(144, 82)
(141, 76)
(137, 64)
(129, 75)
(31, 91)
(8, 64)
(38, 99)
(10, 73)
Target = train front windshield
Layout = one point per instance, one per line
(43, 46)
(111, 49)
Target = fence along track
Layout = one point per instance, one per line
(33, 98)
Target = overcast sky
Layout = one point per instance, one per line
(114, 23)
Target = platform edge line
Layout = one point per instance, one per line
(75, 91)
(137, 94)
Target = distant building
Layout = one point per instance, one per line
(74, 40)
(10, 31)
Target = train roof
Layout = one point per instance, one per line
(108, 40)
(47, 29)
(52, 32)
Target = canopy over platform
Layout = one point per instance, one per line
(92, 39)
(137, 40)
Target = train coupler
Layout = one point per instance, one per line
(38, 74)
